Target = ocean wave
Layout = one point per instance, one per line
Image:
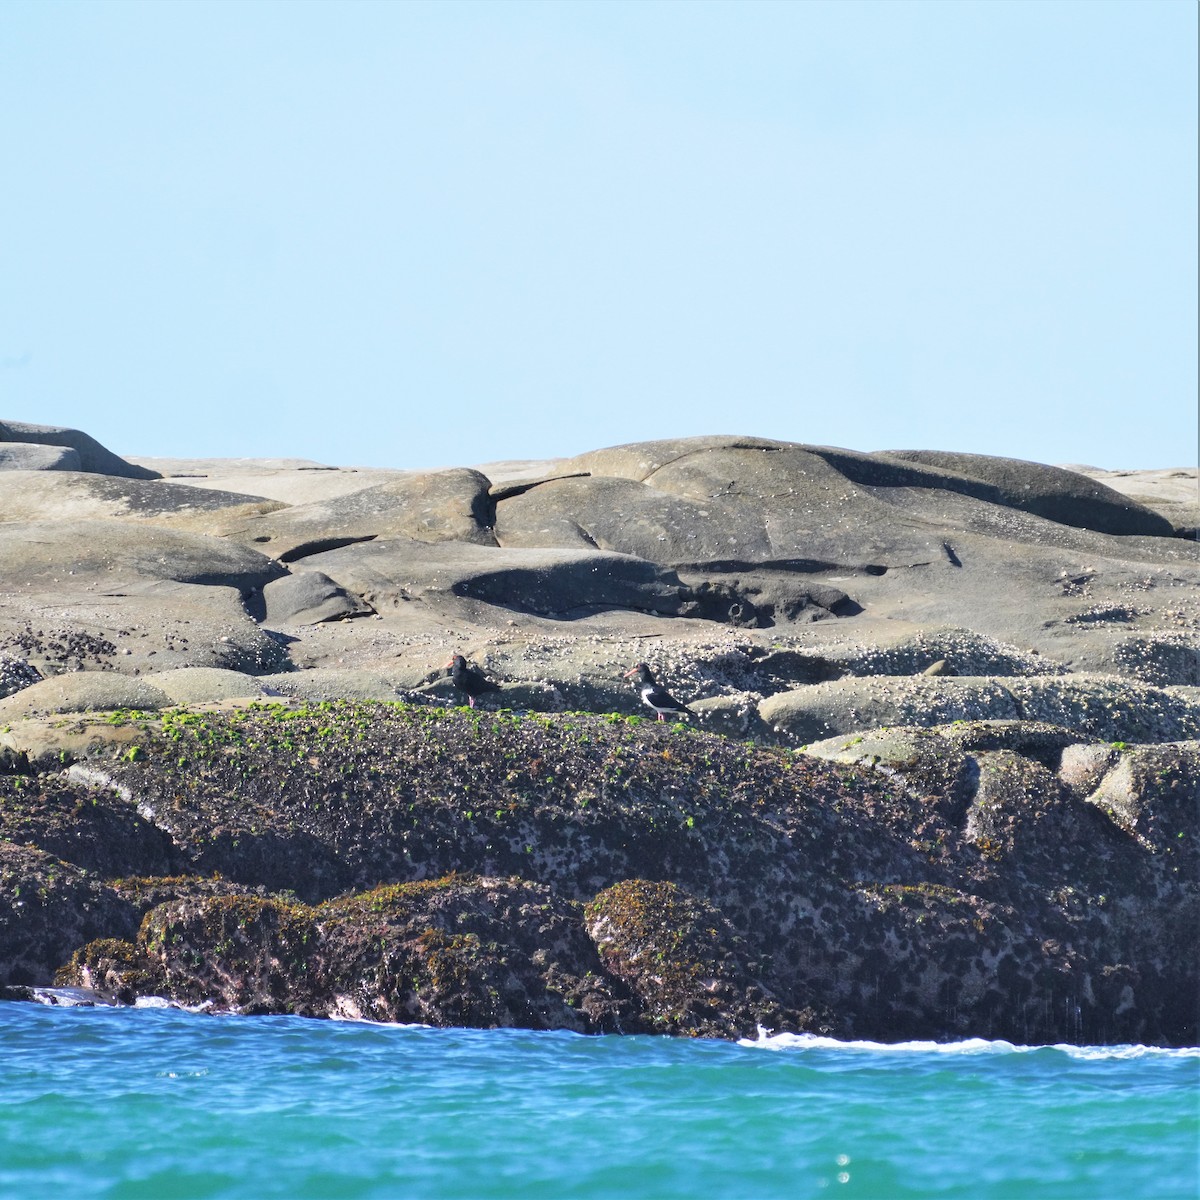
(768, 1040)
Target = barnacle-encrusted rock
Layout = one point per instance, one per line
(571, 871)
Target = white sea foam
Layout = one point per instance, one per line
(766, 1040)
(64, 997)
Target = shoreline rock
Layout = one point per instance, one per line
(609, 873)
(942, 779)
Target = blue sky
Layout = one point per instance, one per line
(411, 234)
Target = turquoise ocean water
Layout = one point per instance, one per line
(157, 1104)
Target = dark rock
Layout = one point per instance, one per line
(91, 827)
(946, 886)
(48, 908)
(683, 962)
(1153, 792)
(15, 674)
(456, 951)
(113, 968)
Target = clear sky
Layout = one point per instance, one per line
(430, 234)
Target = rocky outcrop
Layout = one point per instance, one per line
(27, 456)
(65, 495)
(803, 553)
(940, 779)
(84, 453)
(1051, 492)
(437, 506)
(398, 862)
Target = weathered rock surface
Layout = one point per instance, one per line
(28, 456)
(1004, 861)
(1051, 492)
(434, 507)
(390, 573)
(308, 598)
(91, 455)
(136, 627)
(69, 555)
(1172, 493)
(1116, 710)
(810, 554)
(67, 494)
(201, 685)
(589, 873)
(83, 691)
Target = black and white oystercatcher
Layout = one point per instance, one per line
(470, 681)
(654, 696)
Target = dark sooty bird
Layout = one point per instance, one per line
(468, 680)
(654, 696)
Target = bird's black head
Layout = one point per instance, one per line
(641, 671)
(457, 663)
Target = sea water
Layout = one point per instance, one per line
(158, 1104)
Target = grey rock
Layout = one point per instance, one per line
(558, 583)
(1152, 792)
(628, 517)
(1173, 493)
(434, 506)
(327, 683)
(68, 555)
(521, 696)
(1107, 707)
(733, 715)
(308, 598)
(29, 456)
(204, 685)
(1164, 659)
(1050, 492)
(903, 650)
(1083, 767)
(805, 531)
(1102, 707)
(293, 481)
(640, 460)
(83, 691)
(72, 495)
(910, 745)
(847, 705)
(135, 627)
(92, 455)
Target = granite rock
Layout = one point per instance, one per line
(91, 454)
